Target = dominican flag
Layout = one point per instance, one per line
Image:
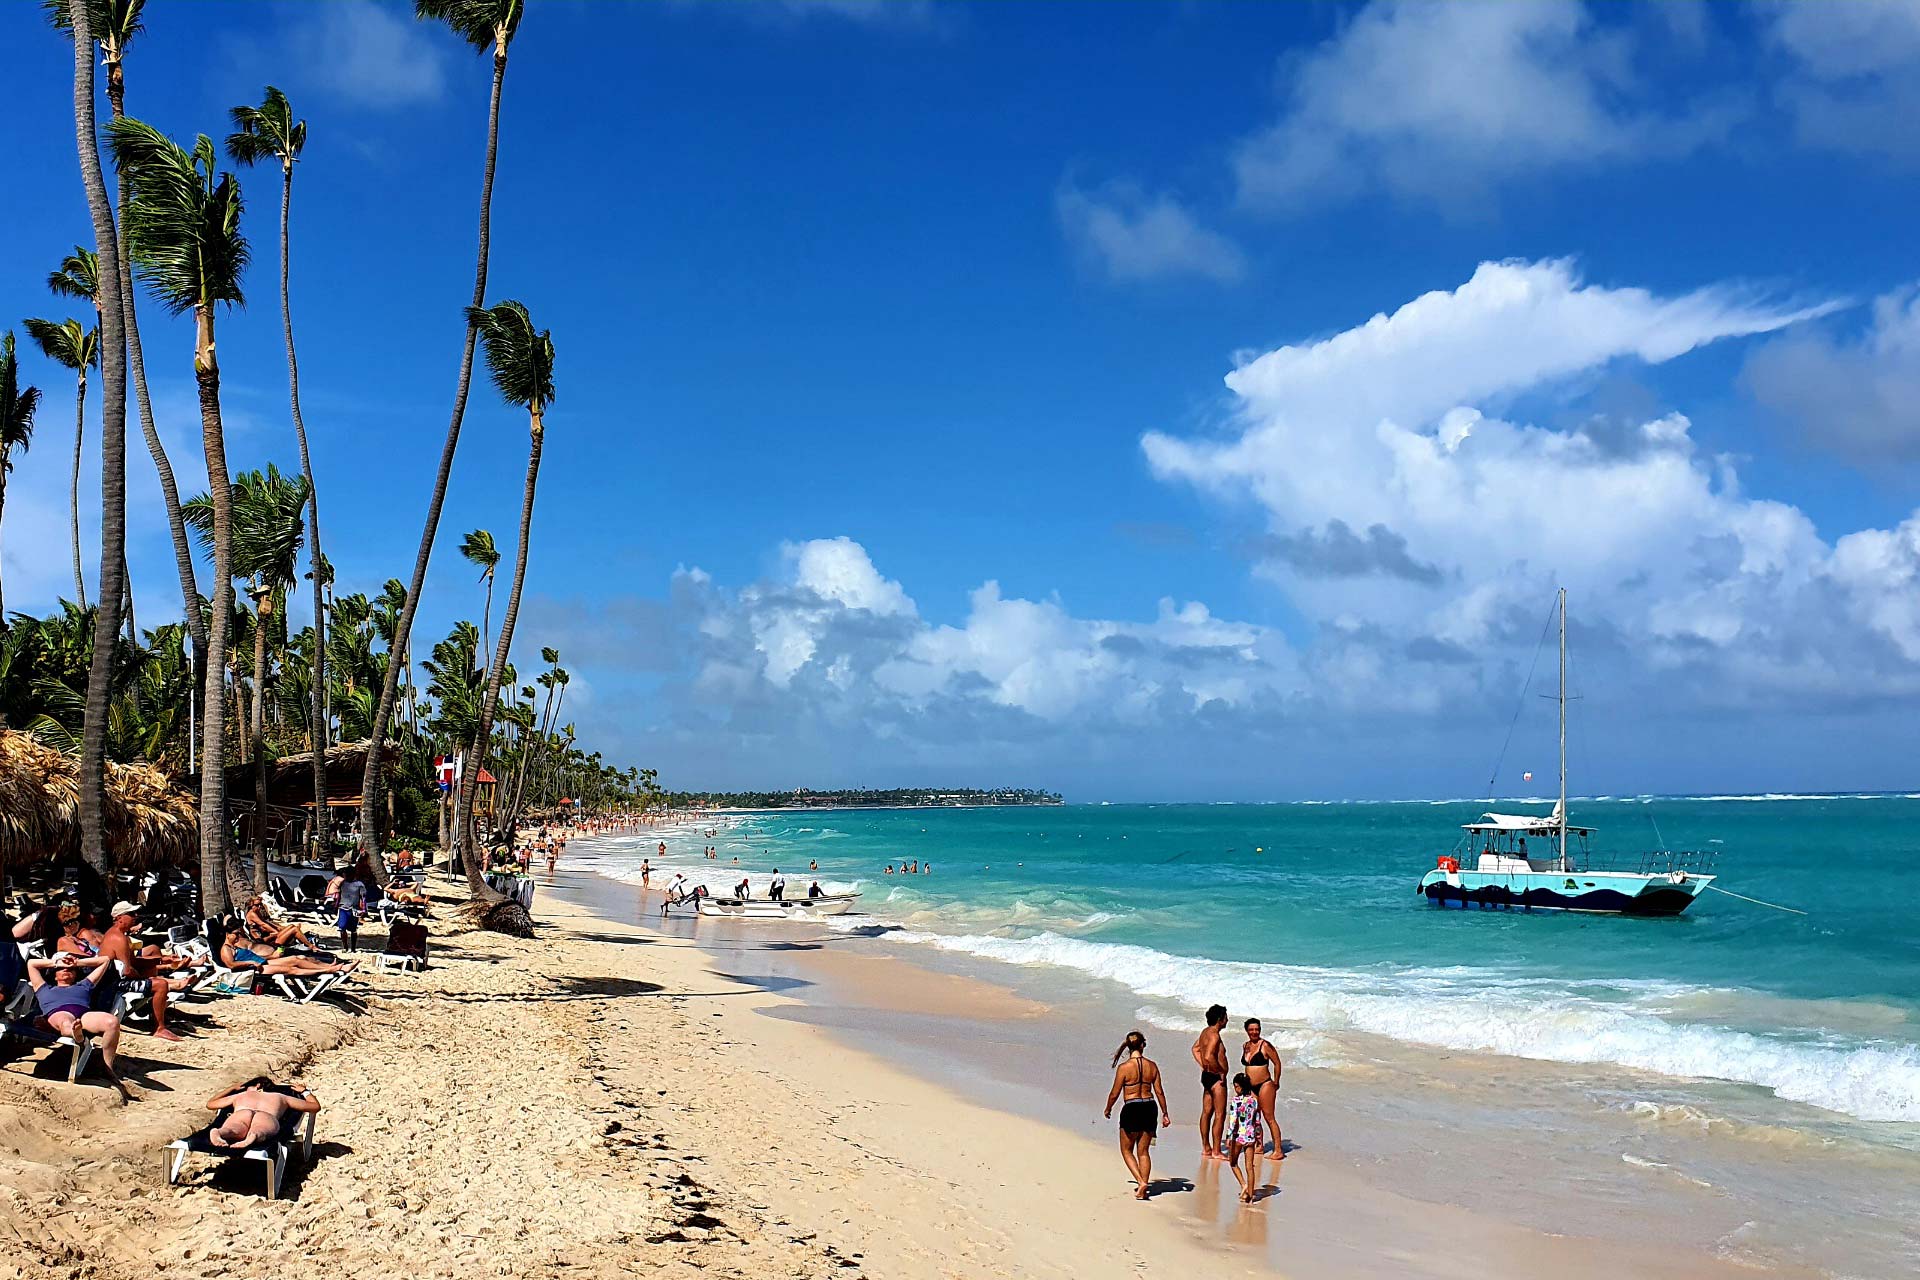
(446, 772)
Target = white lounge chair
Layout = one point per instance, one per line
(28, 1028)
(274, 1154)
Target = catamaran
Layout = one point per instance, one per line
(1493, 865)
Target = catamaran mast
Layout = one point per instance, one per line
(1563, 729)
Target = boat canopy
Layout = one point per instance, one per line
(1525, 823)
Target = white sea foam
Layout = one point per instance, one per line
(1475, 1011)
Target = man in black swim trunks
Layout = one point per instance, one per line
(1211, 1054)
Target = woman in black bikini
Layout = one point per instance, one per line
(1261, 1061)
(1136, 1083)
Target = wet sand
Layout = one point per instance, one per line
(1398, 1170)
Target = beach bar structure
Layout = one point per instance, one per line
(149, 822)
(288, 812)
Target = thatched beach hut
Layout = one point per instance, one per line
(289, 807)
(149, 821)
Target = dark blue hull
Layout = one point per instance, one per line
(1654, 902)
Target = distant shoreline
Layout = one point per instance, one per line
(874, 808)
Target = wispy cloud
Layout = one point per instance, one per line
(901, 13)
(357, 51)
(1128, 234)
(1856, 86)
(1438, 102)
(1855, 398)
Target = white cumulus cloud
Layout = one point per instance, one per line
(1392, 426)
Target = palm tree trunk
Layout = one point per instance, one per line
(3, 512)
(261, 622)
(550, 777)
(137, 371)
(383, 709)
(486, 615)
(214, 894)
(530, 757)
(73, 489)
(314, 557)
(242, 711)
(113, 457)
(470, 779)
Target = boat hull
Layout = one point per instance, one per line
(1601, 893)
(763, 909)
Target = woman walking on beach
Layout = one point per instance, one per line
(1136, 1083)
(1261, 1062)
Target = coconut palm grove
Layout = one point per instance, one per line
(192, 219)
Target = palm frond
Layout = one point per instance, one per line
(114, 22)
(182, 218)
(66, 342)
(266, 130)
(519, 358)
(479, 22)
(78, 275)
(17, 405)
(477, 548)
(268, 513)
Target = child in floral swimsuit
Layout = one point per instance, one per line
(1244, 1135)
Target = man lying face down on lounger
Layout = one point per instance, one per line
(259, 1109)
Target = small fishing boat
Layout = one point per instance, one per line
(830, 904)
(1493, 867)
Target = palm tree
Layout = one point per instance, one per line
(266, 522)
(68, 344)
(78, 276)
(548, 680)
(270, 131)
(113, 441)
(17, 405)
(477, 549)
(114, 24)
(183, 231)
(520, 358)
(484, 24)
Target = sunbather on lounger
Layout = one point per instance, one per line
(146, 966)
(259, 1109)
(65, 1001)
(262, 928)
(236, 954)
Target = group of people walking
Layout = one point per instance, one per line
(1237, 1119)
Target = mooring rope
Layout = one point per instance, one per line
(1744, 898)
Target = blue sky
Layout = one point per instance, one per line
(861, 307)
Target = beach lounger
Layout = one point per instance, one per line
(406, 948)
(20, 1020)
(273, 1153)
(303, 990)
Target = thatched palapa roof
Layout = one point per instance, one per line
(290, 778)
(149, 822)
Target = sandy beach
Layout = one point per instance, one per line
(607, 1097)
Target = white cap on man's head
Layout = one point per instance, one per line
(126, 908)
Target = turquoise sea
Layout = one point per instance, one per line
(1306, 915)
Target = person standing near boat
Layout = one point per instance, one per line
(777, 891)
(1211, 1053)
(1261, 1061)
(1136, 1083)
